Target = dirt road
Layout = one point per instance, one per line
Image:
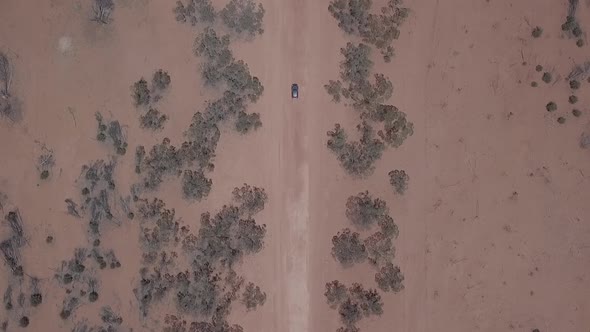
(287, 35)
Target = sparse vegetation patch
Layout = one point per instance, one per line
(354, 17)
(367, 97)
(111, 132)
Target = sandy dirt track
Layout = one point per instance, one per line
(495, 225)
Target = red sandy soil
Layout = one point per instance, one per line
(476, 256)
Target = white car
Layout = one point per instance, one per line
(294, 90)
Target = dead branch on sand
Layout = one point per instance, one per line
(46, 161)
(579, 72)
(10, 255)
(15, 222)
(102, 11)
(72, 208)
(5, 75)
(572, 7)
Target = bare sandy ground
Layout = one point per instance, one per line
(475, 255)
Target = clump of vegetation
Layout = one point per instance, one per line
(107, 315)
(221, 70)
(78, 276)
(159, 226)
(551, 106)
(576, 112)
(153, 120)
(561, 120)
(250, 200)
(253, 296)
(69, 305)
(92, 291)
(36, 298)
(161, 80)
(144, 96)
(243, 17)
(354, 17)
(357, 158)
(24, 321)
(547, 77)
(539, 68)
(215, 49)
(399, 180)
(334, 89)
(45, 163)
(574, 85)
(175, 324)
(367, 96)
(572, 99)
(247, 122)
(195, 185)
(25, 300)
(571, 25)
(380, 249)
(153, 287)
(102, 11)
(580, 42)
(222, 67)
(388, 227)
(238, 79)
(364, 211)
(139, 155)
(534, 84)
(537, 32)
(113, 132)
(209, 289)
(195, 11)
(163, 159)
(348, 248)
(353, 303)
(73, 268)
(141, 92)
(225, 238)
